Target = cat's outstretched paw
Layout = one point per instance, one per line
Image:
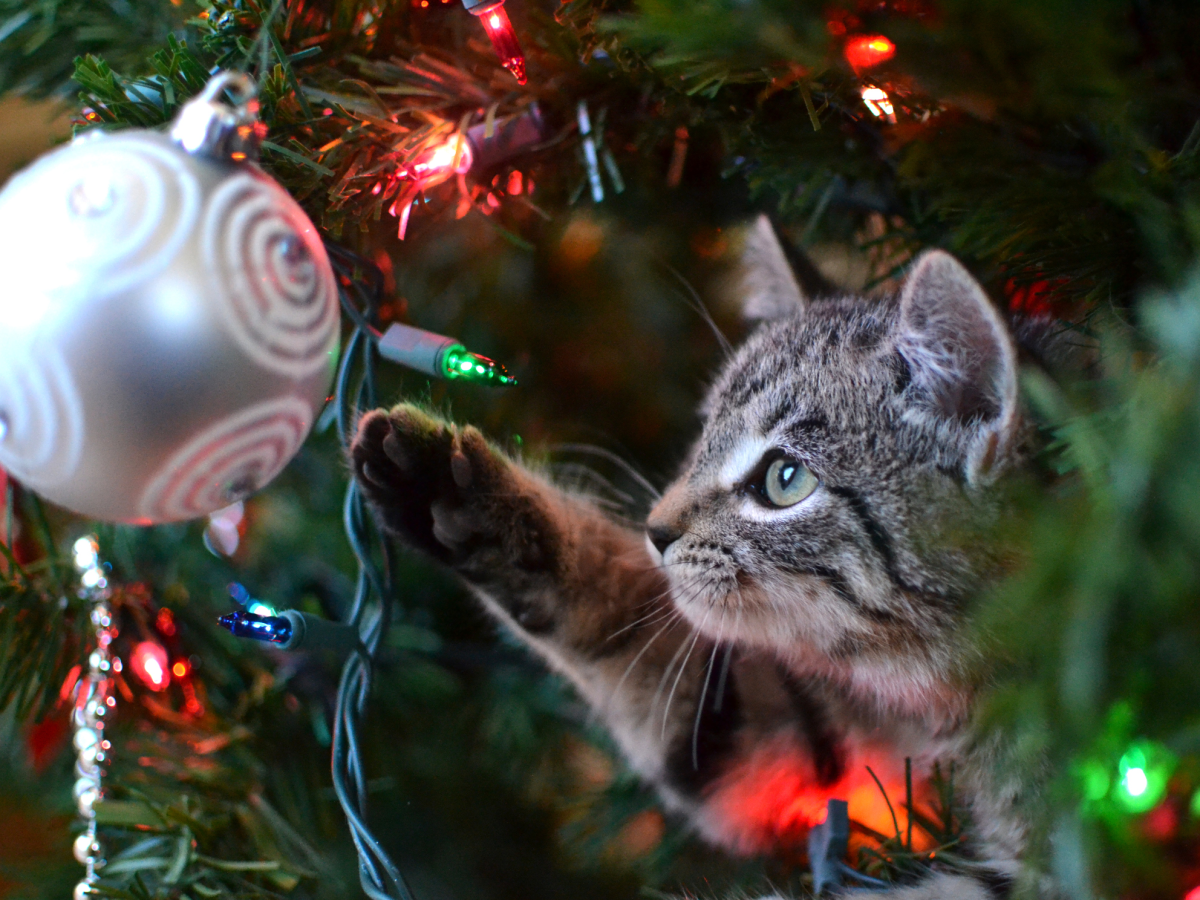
(441, 488)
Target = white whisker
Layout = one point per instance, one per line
(700, 706)
(682, 669)
(629, 668)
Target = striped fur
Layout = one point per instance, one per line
(752, 661)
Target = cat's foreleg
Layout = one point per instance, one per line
(578, 588)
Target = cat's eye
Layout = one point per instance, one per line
(786, 482)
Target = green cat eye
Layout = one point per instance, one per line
(787, 482)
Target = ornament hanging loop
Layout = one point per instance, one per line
(207, 126)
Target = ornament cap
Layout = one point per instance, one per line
(206, 126)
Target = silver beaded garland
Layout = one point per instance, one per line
(94, 701)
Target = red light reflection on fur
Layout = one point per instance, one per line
(771, 799)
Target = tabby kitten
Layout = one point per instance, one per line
(792, 611)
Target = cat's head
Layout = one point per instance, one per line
(832, 508)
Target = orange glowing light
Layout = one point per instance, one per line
(867, 50)
(165, 622)
(879, 103)
(499, 29)
(150, 665)
(180, 669)
(452, 155)
(771, 799)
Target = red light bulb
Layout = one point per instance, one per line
(435, 165)
(867, 50)
(504, 38)
(150, 664)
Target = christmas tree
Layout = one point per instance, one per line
(571, 207)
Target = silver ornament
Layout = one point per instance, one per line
(168, 318)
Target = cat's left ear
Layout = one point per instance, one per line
(770, 289)
(962, 354)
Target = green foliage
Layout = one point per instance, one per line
(39, 41)
(1052, 143)
(35, 601)
(1101, 626)
(1055, 133)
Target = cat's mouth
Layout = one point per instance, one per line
(728, 603)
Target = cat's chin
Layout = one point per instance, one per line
(801, 613)
(809, 628)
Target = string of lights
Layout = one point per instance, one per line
(360, 290)
(370, 613)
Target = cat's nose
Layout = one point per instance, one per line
(663, 536)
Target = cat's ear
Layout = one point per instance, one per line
(962, 355)
(769, 286)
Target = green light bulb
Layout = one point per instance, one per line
(460, 363)
(439, 356)
(1144, 771)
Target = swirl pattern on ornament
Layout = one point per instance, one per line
(227, 462)
(276, 286)
(121, 208)
(41, 438)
